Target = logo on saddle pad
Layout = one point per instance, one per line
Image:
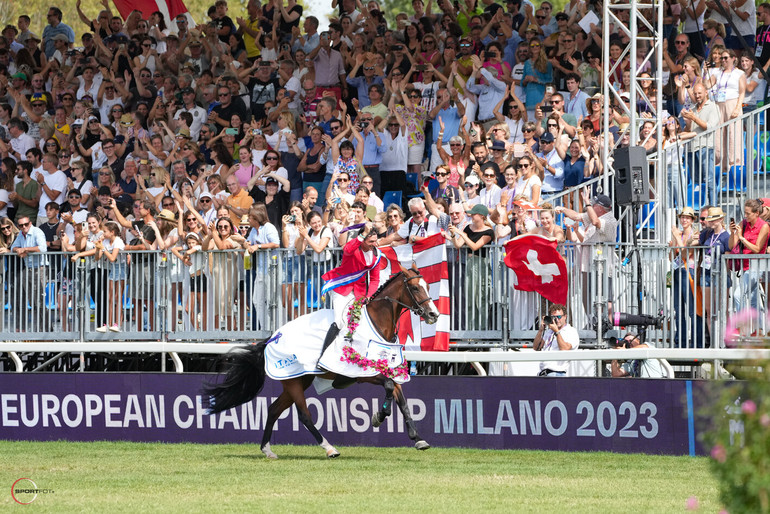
(285, 363)
(388, 352)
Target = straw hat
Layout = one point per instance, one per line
(715, 213)
(688, 211)
(167, 215)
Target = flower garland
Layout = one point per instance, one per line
(354, 317)
(351, 356)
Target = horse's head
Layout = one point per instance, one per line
(417, 296)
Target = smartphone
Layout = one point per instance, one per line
(549, 89)
(256, 132)
(546, 109)
(426, 182)
(421, 67)
(231, 131)
(264, 63)
(84, 226)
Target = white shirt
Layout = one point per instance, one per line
(56, 181)
(396, 154)
(570, 335)
(490, 197)
(199, 118)
(21, 144)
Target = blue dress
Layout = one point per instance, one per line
(573, 173)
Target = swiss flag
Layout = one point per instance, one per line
(169, 8)
(539, 266)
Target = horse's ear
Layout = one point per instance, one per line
(415, 268)
(401, 268)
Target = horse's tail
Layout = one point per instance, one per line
(244, 380)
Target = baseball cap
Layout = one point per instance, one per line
(206, 194)
(603, 200)
(38, 97)
(547, 138)
(478, 209)
(472, 179)
(19, 75)
(61, 37)
(498, 145)
(270, 180)
(105, 191)
(187, 90)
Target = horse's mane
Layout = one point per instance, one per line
(386, 284)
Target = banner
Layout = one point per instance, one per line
(570, 414)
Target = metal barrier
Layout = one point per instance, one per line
(224, 296)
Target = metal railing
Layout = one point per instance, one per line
(224, 296)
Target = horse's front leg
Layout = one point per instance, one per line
(419, 442)
(274, 411)
(386, 409)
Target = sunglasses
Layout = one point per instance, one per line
(487, 175)
(205, 200)
(469, 185)
(442, 174)
(369, 68)
(368, 183)
(522, 166)
(7, 227)
(50, 144)
(220, 227)
(393, 125)
(528, 130)
(343, 180)
(455, 144)
(25, 224)
(64, 157)
(271, 158)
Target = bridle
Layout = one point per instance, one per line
(418, 307)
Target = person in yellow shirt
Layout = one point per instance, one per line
(249, 29)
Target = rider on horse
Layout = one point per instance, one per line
(357, 276)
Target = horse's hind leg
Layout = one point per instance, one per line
(419, 442)
(296, 389)
(275, 410)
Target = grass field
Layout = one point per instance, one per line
(138, 477)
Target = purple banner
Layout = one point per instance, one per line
(571, 414)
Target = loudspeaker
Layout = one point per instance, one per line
(632, 176)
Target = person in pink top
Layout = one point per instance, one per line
(751, 236)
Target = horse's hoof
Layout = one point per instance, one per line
(332, 452)
(376, 421)
(421, 445)
(269, 453)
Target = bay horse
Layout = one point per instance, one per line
(245, 376)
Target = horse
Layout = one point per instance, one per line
(245, 377)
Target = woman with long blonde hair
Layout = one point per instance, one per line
(537, 73)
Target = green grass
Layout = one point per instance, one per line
(138, 477)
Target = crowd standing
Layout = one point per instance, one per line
(253, 130)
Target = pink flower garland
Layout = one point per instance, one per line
(351, 356)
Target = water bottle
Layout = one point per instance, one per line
(413, 368)
(247, 261)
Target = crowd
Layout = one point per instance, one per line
(253, 130)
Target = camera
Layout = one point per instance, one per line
(285, 47)
(361, 125)
(548, 320)
(421, 67)
(622, 319)
(292, 218)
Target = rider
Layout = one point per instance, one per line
(357, 276)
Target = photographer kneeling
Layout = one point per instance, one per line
(637, 368)
(559, 336)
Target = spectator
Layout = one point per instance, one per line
(396, 154)
(703, 118)
(636, 368)
(26, 196)
(30, 274)
(8, 233)
(263, 236)
(730, 86)
(294, 279)
(717, 242)
(111, 248)
(750, 237)
(477, 236)
(683, 280)
(558, 336)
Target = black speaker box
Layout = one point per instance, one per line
(632, 176)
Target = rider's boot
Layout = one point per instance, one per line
(331, 335)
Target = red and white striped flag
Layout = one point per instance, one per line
(429, 255)
(170, 8)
